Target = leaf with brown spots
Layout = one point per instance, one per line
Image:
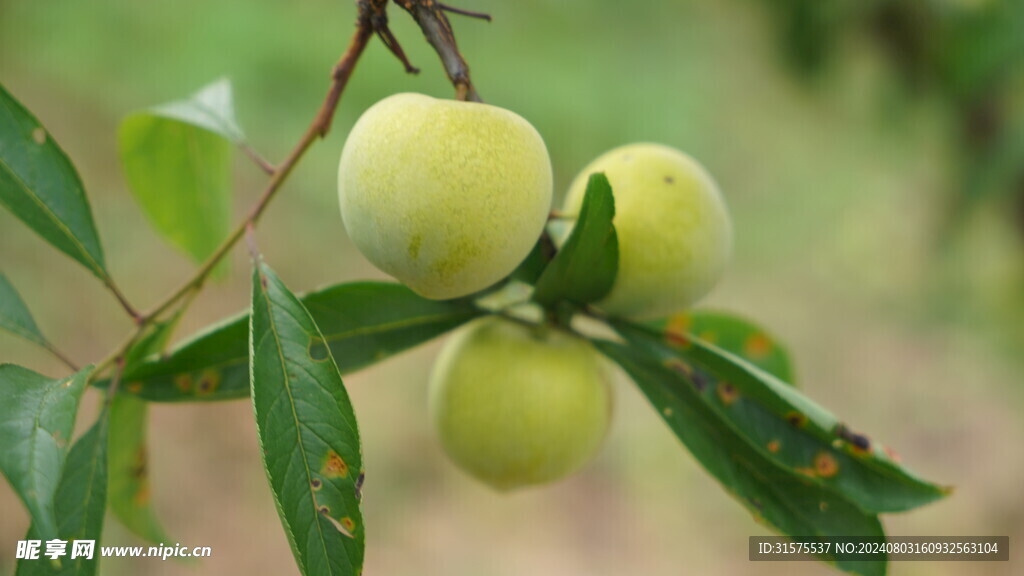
(733, 334)
(774, 494)
(129, 485)
(307, 431)
(362, 324)
(787, 426)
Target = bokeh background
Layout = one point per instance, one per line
(902, 303)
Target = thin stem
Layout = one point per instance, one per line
(257, 159)
(463, 12)
(121, 299)
(372, 19)
(115, 381)
(317, 129)
(60, 356)
(250, 240)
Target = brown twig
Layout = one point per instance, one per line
(431, 19)
(115, 381)
(372, 20)
(122, 300)
(463, 12)
(250, 241)
(317, 129)
(60, 356)
(257, 159)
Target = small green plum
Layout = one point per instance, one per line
(675, 233)
(514, 407)
(446, 196)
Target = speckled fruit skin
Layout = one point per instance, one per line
(446, 196)
(515, 409)
(675, 234)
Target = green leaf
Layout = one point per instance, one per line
(177, 159)
(530, 270)
(39, 185)
(584, 270)
(80, 504)
(307, 431)
(362, 323)
(14, 315)
(37, 417)
(774, 494)
(786, 426)
(129, 491)
(735, 335)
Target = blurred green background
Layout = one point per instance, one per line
(907, 327)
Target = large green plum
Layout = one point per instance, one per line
(514, 407)
(446, 196)
(675, 234)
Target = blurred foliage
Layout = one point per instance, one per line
(969, 54)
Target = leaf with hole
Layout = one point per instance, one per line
(37, 417)
(584, 270)
(774, 494)
(80, 505)
(786, 426)
(363, 323)
(40, 186)
(177, 159)
(307, 431)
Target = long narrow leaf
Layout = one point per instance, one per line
(307, 431)
(775, 495)
(130, 491)
(788, 427)
(39, 185)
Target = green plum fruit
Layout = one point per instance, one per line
(675, 233)
(446, 196)
(514, 407)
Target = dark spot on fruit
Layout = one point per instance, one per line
(670, 180)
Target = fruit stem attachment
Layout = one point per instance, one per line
(431, 18)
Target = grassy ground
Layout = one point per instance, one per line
(835, 202)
